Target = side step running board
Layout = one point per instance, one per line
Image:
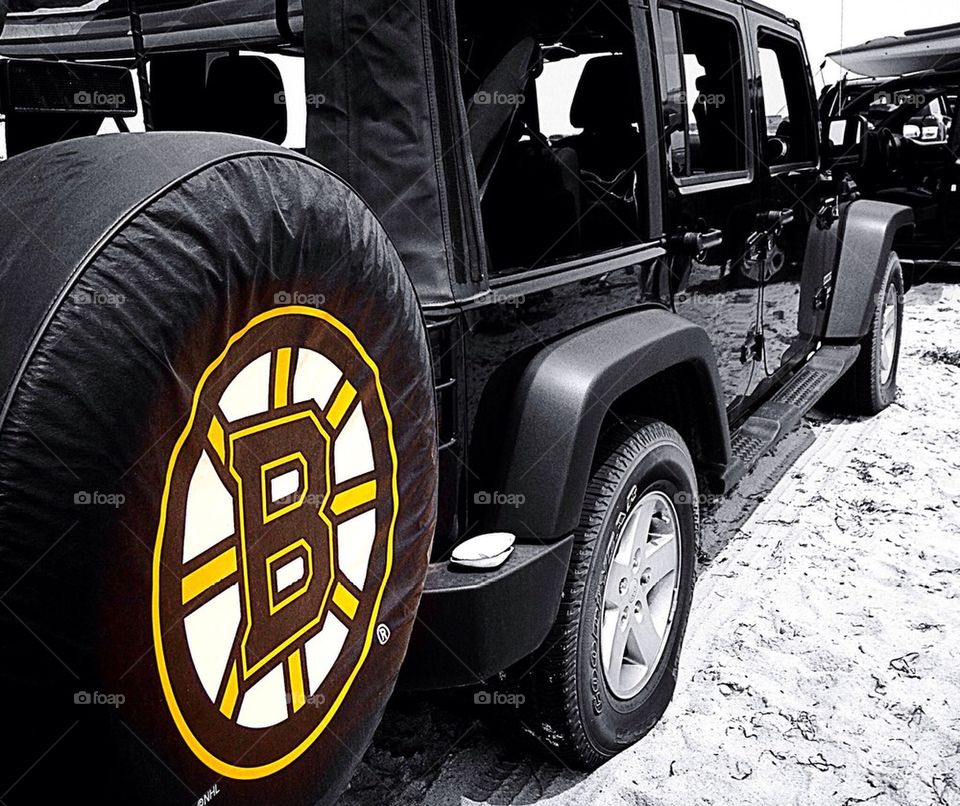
(784, 411)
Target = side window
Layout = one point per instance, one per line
(702, 75)
(673, 92)
(790, 127)
(569, 169)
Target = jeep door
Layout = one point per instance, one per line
(785, 115)
(712, 168)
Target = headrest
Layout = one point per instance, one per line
(245, 96)
(608, 95)
(494, 105)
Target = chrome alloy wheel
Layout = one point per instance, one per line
(640, 595)
(890, 327)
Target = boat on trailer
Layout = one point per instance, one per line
(923, 50)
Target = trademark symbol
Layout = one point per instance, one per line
(383, 634)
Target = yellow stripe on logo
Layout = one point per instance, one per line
(339, 407)
(209, 574)
(216, 437)
(354, 497)
(346, 601)
(281, 380)
(297, 696)
(230, 694)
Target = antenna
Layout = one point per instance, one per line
(843, 78)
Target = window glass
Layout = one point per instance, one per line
(790, 127)
(569, 169)
(673, 92)
(556, 87)
(702, 67)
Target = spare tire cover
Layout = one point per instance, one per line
(217, 471)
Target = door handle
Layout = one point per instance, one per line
(696, 243)
(775, 219)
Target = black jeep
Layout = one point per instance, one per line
(406, 342)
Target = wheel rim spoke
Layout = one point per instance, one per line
(617, 578)
(636, 532)
(648, 639)
(618, 652)
(889, 332)
(661, 561)
(639, 595)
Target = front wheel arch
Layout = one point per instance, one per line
(567, 394)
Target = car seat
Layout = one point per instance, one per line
(610, 150)
(235, 94)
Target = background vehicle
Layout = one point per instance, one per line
(250, 411)
(913, 137)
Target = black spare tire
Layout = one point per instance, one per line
(217, 471)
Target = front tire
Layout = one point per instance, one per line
(611, 665)
(871, 384)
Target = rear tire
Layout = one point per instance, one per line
(588, 701)
(871, 384)
(217, 474)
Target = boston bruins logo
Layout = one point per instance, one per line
(275, 541)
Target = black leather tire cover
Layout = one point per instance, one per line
(217, 472)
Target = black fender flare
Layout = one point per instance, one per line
(867, 239)
(566, 393)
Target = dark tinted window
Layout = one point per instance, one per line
(702, 70)
(790, 127)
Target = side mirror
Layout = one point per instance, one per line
(845, 140)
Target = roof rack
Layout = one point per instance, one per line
(939, 29)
